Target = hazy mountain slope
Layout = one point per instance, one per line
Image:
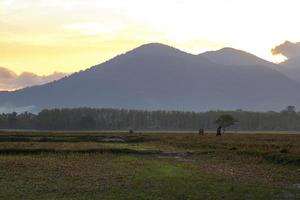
(231, 56)
(157, 76)
(291, 68)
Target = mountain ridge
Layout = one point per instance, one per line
(232, 56)
(159, 77)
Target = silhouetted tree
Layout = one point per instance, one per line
(123, 119)
(12, 120)
(87, 122)
(223, 122)
(289, 110)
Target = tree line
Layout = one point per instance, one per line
(122, 119)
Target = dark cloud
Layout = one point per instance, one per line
(287, 49)
(9, 80)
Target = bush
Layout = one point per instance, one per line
(131, 131)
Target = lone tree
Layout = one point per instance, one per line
(223, 122)
(289, 110)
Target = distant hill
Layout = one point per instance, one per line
(156, 76)
(291, 68)
(231, 56)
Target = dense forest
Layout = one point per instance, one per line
(121, 119)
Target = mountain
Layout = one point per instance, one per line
(291, 68)
(231, 56)
(156, 76)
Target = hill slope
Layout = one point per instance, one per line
(156, 76)
(291, 68)
(230, 56)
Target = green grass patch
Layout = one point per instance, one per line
(150, 166)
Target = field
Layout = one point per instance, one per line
(145, 165)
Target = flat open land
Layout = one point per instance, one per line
(175, 166)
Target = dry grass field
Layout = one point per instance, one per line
(145, 165)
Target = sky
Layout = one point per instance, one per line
(49, 36)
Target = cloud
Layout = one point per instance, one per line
(6, 74)
(287, 49)
(9, 80)
(94, 28)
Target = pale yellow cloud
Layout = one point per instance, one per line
(287, 49)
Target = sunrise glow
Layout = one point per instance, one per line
(43, 36)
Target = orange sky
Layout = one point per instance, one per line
(44, 36)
